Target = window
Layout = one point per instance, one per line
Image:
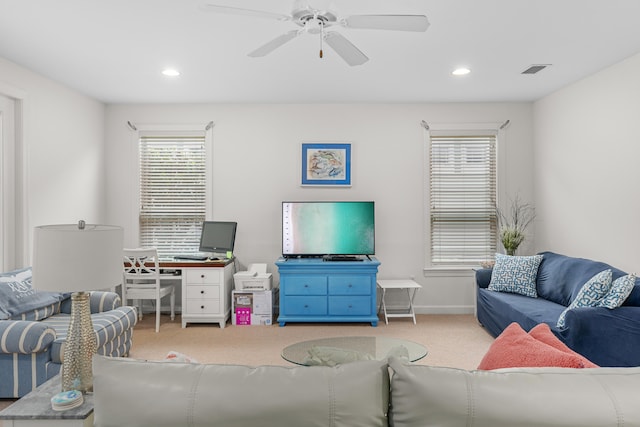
(173, 192)
(462, 198)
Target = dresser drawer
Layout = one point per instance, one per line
(349, 285)
(203, 306)
(349, 306)
(304, 306)
(304, 285)
(204, 275)
(203, 291)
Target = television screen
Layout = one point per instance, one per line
(218, 236)
(328, 228)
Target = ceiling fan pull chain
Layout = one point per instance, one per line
(321, 37)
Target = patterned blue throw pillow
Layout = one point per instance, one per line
(590, 295)
(515, 274)
(620, 291)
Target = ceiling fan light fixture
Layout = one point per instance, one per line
(461, 71)
(317, 16)
(314, 25)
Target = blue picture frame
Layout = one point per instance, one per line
(326, 164)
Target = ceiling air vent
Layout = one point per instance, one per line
(535, 68)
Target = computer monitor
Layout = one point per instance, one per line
(218, 236)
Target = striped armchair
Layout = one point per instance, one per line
(32, 342)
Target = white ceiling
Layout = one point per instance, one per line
(115, 50)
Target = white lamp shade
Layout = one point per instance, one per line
(69, 259)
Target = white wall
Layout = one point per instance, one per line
(257, 166)
(63, 147)
(577, 147)
(587, 146)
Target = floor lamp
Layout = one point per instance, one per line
(77, 258)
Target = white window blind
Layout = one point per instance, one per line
(462, 195)
(172, 193)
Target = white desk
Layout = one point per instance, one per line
(206, 289)
(410, 286)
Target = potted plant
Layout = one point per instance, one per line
(513, 223)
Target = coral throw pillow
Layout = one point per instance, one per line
(542, 332)
(514, 348)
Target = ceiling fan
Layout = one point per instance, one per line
(313, 20)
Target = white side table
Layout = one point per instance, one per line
(410, 286)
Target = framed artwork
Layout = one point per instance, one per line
(327, 164)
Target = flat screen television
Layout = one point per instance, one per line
(218, 236)
(328, 228)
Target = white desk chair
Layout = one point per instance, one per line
(141, 280)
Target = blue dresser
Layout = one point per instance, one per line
(314, 290)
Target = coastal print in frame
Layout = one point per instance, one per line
(327, 164)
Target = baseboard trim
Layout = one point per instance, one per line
(450, 309)
(423, 309)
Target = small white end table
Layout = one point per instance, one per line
(410, 286)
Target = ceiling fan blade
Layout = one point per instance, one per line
(245, 12)
(274, 44)
(388, 22)
(347, 50)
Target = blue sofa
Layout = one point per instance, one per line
(607, 337)
(33, 329)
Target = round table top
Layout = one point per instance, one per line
(378, 348)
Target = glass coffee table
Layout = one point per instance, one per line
(377, 348)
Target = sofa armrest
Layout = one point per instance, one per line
(604, 336)
(483, 277)
(24, 336)
(104, 301)
(99, 302)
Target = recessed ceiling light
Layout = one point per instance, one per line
(170, 72)
(462, 71)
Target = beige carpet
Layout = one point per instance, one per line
(451, 340)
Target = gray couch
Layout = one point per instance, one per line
(367, 393)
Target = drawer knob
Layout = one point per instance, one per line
(350, 285)
(306, 286)
(202, 307)
(306, 306)
(202, 292)
(202, 276)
